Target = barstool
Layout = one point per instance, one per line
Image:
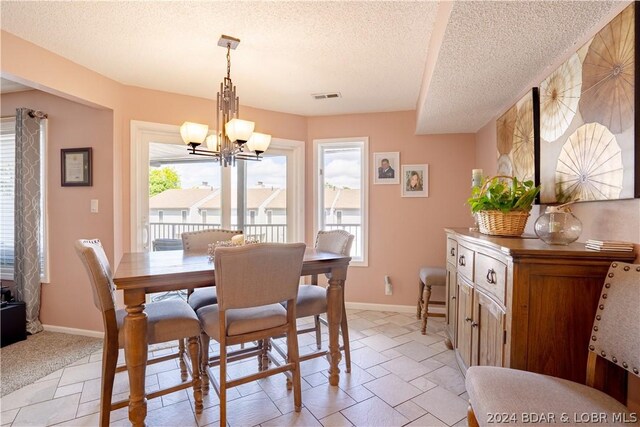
(429, 277)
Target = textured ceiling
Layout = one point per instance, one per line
(373, 53)
(492, 50)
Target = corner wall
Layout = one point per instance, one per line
(67, 300)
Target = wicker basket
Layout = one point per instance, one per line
(498, 223)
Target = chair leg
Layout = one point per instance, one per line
(420, 289)
(194, 352)
(425, 308)
(109, 362)
(204, 362)
(183, 366)
(223, 384)
(294, 357)
(472, 421)
(318, 332)
(263, 357)
(344, 327)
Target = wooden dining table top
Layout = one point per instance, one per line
(173, 269)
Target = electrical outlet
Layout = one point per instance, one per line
(388, 289)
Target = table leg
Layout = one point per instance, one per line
(334, 317)
(135, 352)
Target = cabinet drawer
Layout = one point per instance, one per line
(491, 275)
(465, 262)
(452, 251)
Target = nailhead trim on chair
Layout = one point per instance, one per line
(603, 297)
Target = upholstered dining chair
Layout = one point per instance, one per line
(252, 281)
(312, 299)
(197, 242)
(615, 338)
(168, 320)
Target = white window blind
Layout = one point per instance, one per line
(7, 200)
(7, 192)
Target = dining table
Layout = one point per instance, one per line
(141, 273)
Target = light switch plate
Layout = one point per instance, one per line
(94, 205)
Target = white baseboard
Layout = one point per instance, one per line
(390, 307)
(73, 331)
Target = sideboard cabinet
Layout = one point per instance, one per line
(523, 304)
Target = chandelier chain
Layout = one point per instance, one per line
(229, 61)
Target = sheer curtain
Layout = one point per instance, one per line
(30, 129)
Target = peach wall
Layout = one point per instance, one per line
(404, 233)
(67, 300)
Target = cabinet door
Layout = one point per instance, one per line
(452, 303)
(487, 335)
(465, 312)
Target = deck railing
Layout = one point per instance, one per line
(264, 232)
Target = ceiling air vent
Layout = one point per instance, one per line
(327, 95)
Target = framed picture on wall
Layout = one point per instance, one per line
(415, 180)
(589, 135)
(76, 167)
(386, 167)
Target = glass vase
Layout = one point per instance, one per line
(558, 226)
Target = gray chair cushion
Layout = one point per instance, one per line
(166, 321)
(434, 276)
(312, 300)
(509, 391)
(201, 297)
(242, 320)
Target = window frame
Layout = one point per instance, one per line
(319, 217)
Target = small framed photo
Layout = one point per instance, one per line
(415, 180)
(386, 167)
(76, 167)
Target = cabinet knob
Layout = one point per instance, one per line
(468, 319)
(474, 325)
(453, 297)
(453, 252)
(462, 261)
(491, 276)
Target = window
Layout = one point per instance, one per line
(204, 216)
(269, 217)
(7, 198)
(184, 216)
(252, 217)
(160, 216)
(228, 193)
(341, 185)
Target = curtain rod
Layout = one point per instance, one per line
(38, 114)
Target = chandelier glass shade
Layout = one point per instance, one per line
(234, 138)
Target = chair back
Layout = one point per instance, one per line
(616, 328)
(198, 241)
(96, 263)
(257, 274)
(167, 245)
(334, 241)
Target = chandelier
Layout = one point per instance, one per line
(235, 139)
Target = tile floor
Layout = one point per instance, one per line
(398, 377)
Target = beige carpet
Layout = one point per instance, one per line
(27, 361)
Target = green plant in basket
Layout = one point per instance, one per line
(505, 194)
